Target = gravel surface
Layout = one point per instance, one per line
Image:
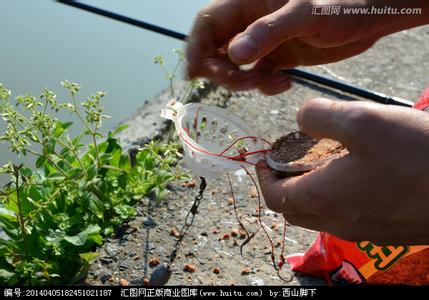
(397, 65)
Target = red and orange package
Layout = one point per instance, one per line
(340, 261)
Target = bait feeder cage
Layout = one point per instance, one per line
(214, 140)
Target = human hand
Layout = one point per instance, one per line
(378, 192)
(280, 34)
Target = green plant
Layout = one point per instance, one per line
(171, 75)
(54, 215)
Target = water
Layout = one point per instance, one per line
(44, 42)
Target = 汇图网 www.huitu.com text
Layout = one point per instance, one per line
(332, 10)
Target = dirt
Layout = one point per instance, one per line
(212, 243)
(301, 148)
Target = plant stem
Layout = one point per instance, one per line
(82, 132)
(20, 215)
(172, 76)
(185, 99)
(50, 161)
(176, 68)
(94, 189)
(96, 148)
(86, 126)
(76, 155)
(63, 159)
(44, 109)
(77, 112)
(169, 77)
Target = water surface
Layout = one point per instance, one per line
(44, 42)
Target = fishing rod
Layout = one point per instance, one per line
(298, 73)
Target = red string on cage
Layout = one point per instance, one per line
(278, 266)
(241, 157)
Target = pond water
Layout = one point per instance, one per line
(44, 42)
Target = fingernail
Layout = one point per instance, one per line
(243, 48)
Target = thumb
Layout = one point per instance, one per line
(268, 32)
(354, 124)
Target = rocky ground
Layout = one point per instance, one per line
(397, 65)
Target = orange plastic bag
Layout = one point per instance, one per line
(341, 261)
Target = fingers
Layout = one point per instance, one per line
(351, 123)
(295, 52)
(268, 32)
(278, 193)
(276, 86)
(200, 45)
(313, 222)
(270, 80)
(269, 184)
(204, 59)
(213, 27)
(317, 193)
(271, 188)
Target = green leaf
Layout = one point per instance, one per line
(54, 178)
(91, 233)
(125, 163)
(76, 142)
(96, 207)
(74, 173)
(89, 256)
(40, 161)
(115, 151)
(7, 277)
(158, 59)
(76, 240)
(4, 93)
(9, 223)
(60, 128)
(6, 213)
(145, 187)
(108, 230)
(118, 130)
(65, 152)
(123, 180)
(92, 171)
(26, 172)
(160, 193)
(50, 147)
(125, 211)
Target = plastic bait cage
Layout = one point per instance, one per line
(214, 140)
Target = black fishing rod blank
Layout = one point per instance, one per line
(124, 19)
(298, 73)
(349, 88)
